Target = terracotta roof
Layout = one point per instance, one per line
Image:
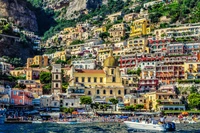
(89, 71)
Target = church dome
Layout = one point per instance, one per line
(110, 62)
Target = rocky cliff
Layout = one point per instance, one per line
(16, 11)
(70, 8)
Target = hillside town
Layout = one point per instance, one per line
(128, 63)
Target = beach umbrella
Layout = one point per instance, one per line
(74, 113)
(184, 113)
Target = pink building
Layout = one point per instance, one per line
(20, 97)
(148, 85)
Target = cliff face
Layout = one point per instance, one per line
(13, 49)
(16, 11)
(72, 7)
(78, 5)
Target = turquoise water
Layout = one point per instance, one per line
(84, 128)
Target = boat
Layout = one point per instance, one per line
(16, 120)
(68, 122)
(36, 122)
(150, 126)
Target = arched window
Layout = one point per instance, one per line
(111, 92)
(119, 92)
(104, 91)
(98, 92)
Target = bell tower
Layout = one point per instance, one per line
(56, 86)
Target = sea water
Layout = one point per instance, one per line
(85, 128)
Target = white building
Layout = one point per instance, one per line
(5, 67)
(142, 65)
(84, 64)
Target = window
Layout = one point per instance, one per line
(66, 104)
(56, 76)
(98, 92)
(56, 85)
(104, 91)
(111, 92)
(20, 101)
(76, 79)
(112, 71)
(83, 79)
(15, 92)
(89, 79)
(119, 92)
(113, 79)
(95, 79)
(101, 80)
(55, 104)
(89, 92)
(72, 104)
(12, 101)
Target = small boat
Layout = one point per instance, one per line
(16, 120)
(150, 126)
(67, 122)
(36, 122)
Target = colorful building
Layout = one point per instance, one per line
(146, 85)
(21, 98)
(192, 70)
(137, 46)
(140, 27)
(37, 61)
(169, 74)
(101, 84)
(158, 45)
(163, 100)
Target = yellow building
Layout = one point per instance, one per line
(192, 70)
(163, 100)
(134, 100)
(103, 54)
(140, 27)
(103, 84)
(99, 30)
(69, 29)
(38, 61)
(17, 73)
(60, 55)
(33, 73)
(137, 46)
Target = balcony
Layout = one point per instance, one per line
(147, 83)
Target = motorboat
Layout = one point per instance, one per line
(150, 126)
(36, 122)
(67, 122)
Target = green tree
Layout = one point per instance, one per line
(130, 108)
(94, 106)
(104, 35)
(139, 106)
(193, 89)
(114, 102)
(194, 100)
(45, 77)
(86, 100)
(46, 89)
